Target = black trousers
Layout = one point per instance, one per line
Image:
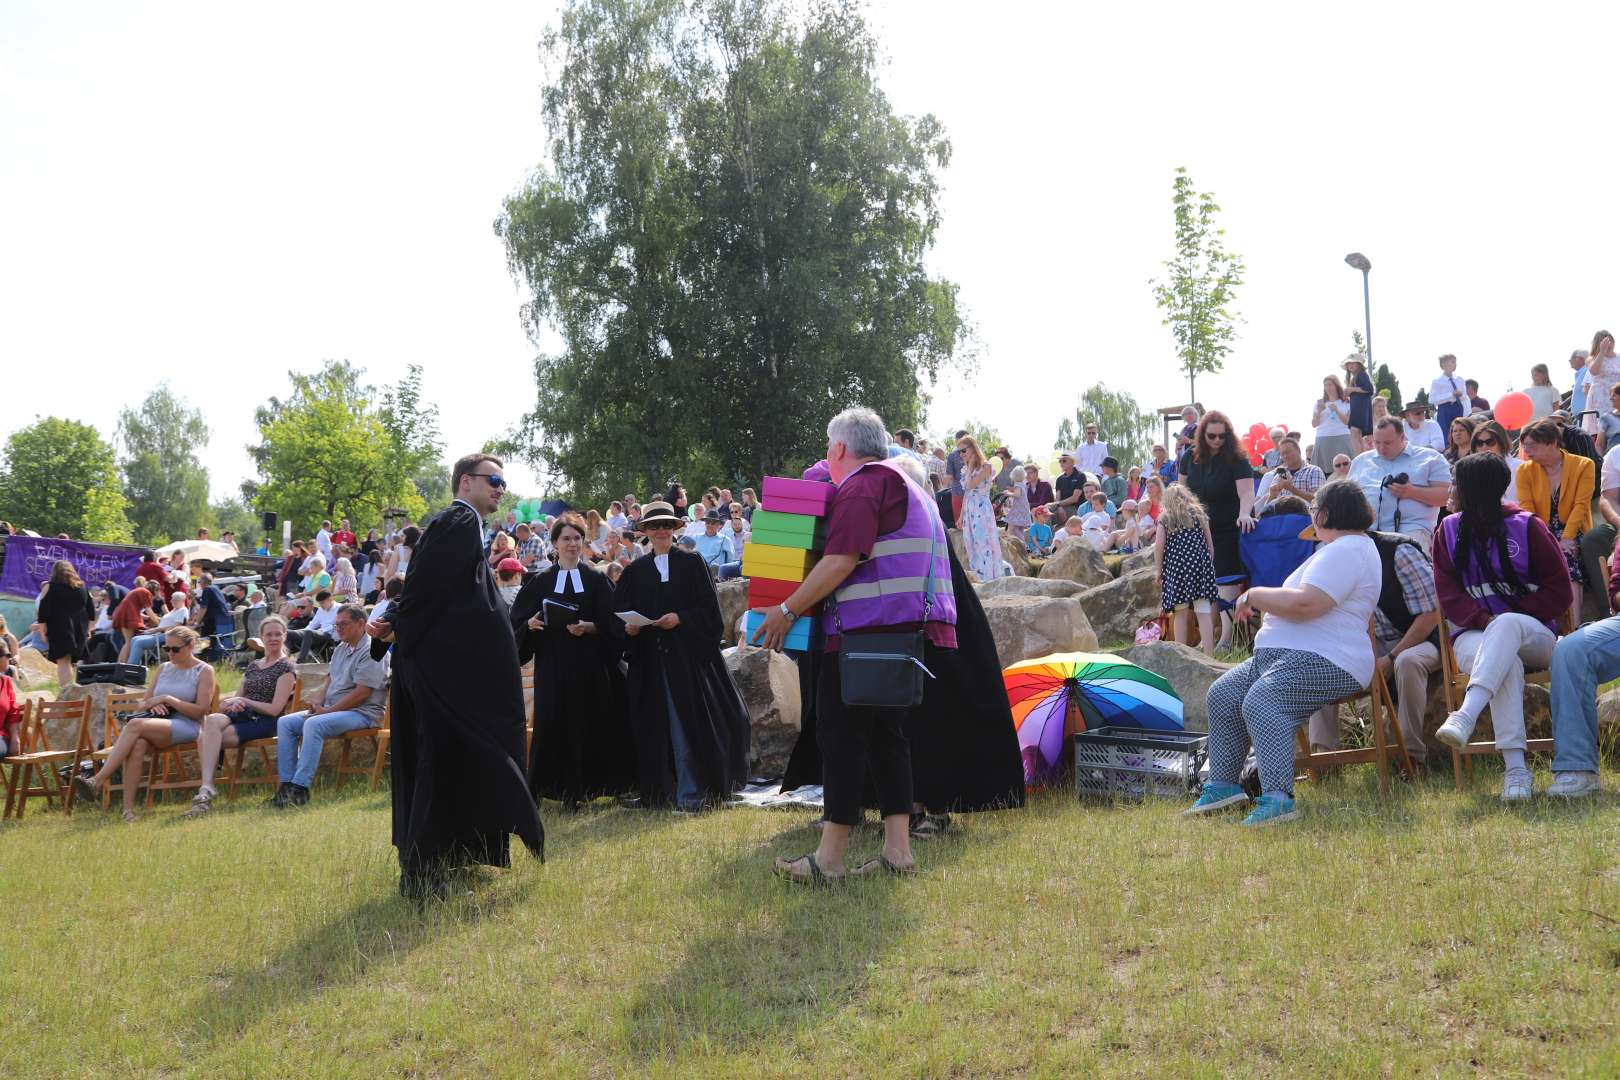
(853, 740)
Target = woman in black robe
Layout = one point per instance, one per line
(67, 612)
(690, 726)
(459, 791)
(582, 746)
(964, 747)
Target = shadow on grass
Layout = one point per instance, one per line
(777, 958)
(346, 950)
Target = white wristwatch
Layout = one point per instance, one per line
(787, 612)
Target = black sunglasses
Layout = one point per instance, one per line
(1213, 436)
(172, 649)
(496, 480)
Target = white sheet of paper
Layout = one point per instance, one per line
(634, 618)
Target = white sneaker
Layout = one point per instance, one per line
(1456, 731)
(1574, 785)
(1516, 785)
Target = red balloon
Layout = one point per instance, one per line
(1257, 431)
(1513, 410)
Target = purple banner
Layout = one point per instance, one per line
(29, 560)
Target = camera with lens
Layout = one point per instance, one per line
(1398, 478)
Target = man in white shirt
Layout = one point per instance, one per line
(1091, 452)
(1420, 430)
(323, 542)
(1411, 506)
(1449, 395)
(322, 629)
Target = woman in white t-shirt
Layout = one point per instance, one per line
(1331, 419)
(1312, 649)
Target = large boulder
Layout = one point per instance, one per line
(1117, 608)
(1077, 561)
(733, 597)
(312, 680)
(33, 671)
(1537, 718)
(769, 684)
(1028, 586)
(1137, 560)
(1017, 556)
(1189, 671)
(64, 735)
(1025, 627)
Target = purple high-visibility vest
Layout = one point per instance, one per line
(887, 588)
(1484, 580)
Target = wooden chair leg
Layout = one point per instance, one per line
(377, 765)
(1379, 747)
(1457, 770)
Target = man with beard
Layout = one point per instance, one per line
(459, 789)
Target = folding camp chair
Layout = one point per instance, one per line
(1455, 683)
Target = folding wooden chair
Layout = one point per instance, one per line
(384, 735)
(169, 765)
(1381, 706)
(121, 706)
(32, 773)
(15, 762)
(379, 737)
(271, 772)
(1455, 684)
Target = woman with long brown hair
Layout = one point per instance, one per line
(66, 612)
(1460, 439)
(1331, 419)
(1222, 479)
(1602, 374)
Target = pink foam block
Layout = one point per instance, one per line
(790, 496)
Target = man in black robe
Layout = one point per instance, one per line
(690, 726)
(459, 789)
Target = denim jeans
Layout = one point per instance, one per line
(299, 738)
(33, 640)
(141, 644)
(1581, 663)
(729, 570)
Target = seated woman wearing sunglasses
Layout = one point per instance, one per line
(171, 714)
(1491, 438)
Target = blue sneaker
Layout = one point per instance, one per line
(1270, 809)
(1216, 796)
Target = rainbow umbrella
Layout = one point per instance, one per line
(1055, 696)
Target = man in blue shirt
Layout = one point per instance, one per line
(1411, 507)
(211, 614)
(953, 469)
(1577, 396)
(714, 547)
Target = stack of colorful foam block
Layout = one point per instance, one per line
(785, 543)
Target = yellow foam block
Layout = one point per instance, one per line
(781, 563)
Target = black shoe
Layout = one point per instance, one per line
(297, 795)
(280, 798)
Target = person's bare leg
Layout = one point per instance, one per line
(64, 672)
(217, 733)
(1206, 632)
(123, 650)
(1181, 620)
(834, 844)
(127, 738)
(1576, 604)
(896, 841)
(133, 771)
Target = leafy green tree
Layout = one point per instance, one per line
(61, 476)
(233, 514)
(1129, 432)
(729, 237)
(165, 482)
(984, 434)
(1200, 285)
(326, 452)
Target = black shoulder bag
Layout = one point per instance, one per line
(885, 670)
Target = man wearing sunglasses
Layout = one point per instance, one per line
(459, 785)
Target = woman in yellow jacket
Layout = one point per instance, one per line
(1556, 486)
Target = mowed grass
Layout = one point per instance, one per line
(1429, 934)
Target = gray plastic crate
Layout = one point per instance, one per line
(1132, 763)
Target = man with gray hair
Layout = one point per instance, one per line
(1577, 394)
(886, 564)
(355, 690)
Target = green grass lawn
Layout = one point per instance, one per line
(1431, 934)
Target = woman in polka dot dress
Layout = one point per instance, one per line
(1184, 556)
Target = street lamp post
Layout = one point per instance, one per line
(1359, 261)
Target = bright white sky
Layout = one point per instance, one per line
(215, 193)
